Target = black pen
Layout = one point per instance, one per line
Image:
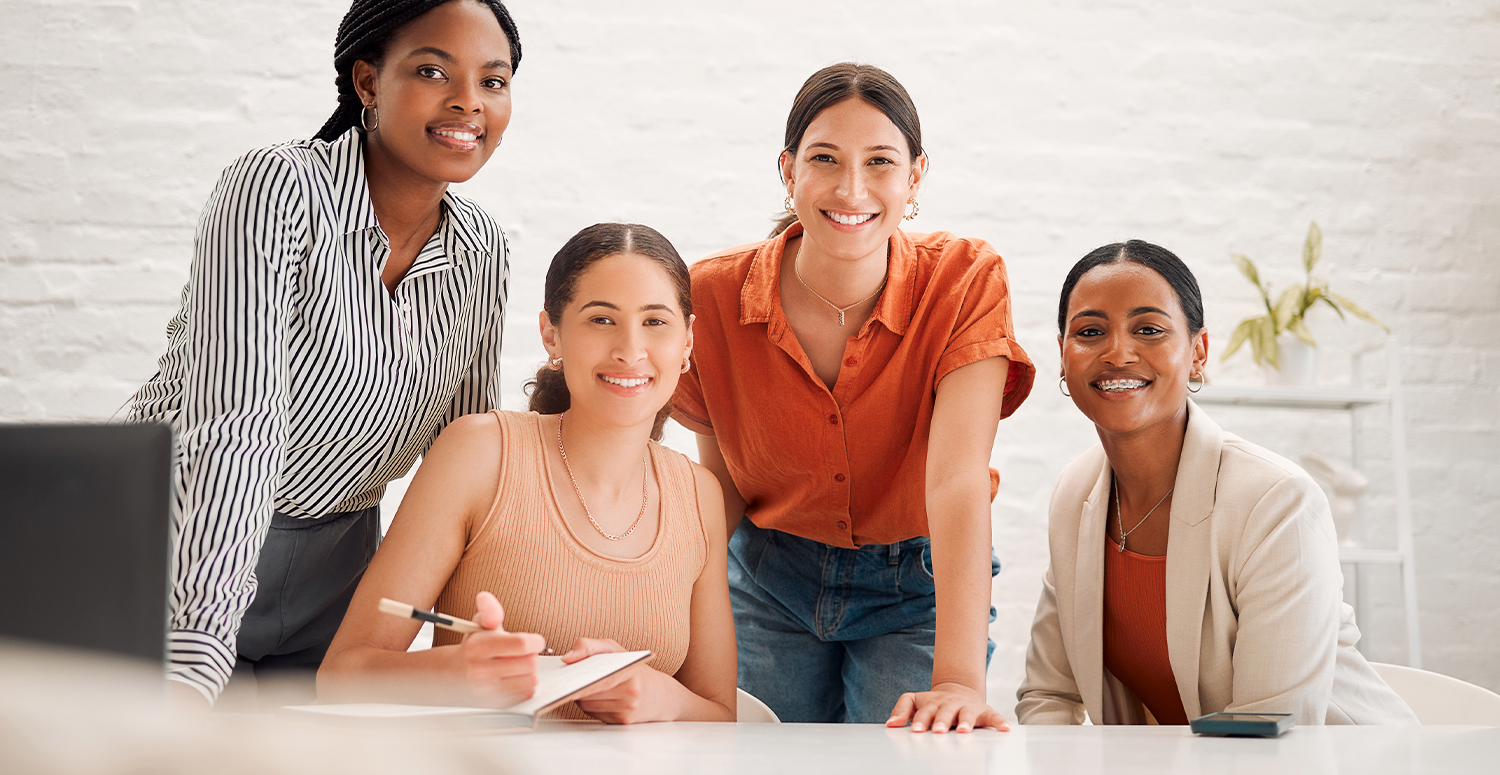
(407, 611)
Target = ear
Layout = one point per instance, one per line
(364, 81)
(918, 172)
(1061, 372)
(549, 334)
(788, 166)
(691, 318)
(1200, 352)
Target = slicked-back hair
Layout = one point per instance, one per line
(1154, 257)
(548, 390)
(363, 35)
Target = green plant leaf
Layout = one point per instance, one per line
(1247, 268)
(1299, 328)
(1312, 247)
(1289, 308)
(1355, 310)
(1316, 293)
(1263, 344)
(1241, 333)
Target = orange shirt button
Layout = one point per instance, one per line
(833, 419)
(851, 361)
(843, 525)
(838, 477)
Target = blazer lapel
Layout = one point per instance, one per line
(1088, 602)
(1190, 552)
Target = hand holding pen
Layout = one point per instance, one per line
(501, 666)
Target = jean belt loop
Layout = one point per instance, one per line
(895, 558)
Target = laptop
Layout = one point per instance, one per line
(85, 532)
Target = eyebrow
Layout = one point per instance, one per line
(1137, 312)
(447, 57)
(833, 147)
(644, 308)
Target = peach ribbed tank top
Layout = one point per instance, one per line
(550, 583)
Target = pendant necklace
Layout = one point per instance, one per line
(1121, 519)
(840, 310)
(645, 478)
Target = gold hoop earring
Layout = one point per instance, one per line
(1199, 376)
(1062, 386)
(788, 205)
(915, 208)
(555, 364)
(687, 364)
(369, 118)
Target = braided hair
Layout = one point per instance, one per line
(363, 35)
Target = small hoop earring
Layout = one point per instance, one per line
(915, 208)
(787, 205)
(687, 364)
(1062, 386)
(369, 118)
(554, 364)
(1190, 382)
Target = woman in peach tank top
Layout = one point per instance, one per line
(567, 525)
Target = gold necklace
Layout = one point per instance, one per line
(841, 310)
(1121, 519)
(645, 478)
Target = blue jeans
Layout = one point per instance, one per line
(827, 634)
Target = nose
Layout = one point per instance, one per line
(630, 345)
(1119, 348)
(852, 185)
(465, 97)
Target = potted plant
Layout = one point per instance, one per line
(1280, 341)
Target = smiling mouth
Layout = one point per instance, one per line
(457, 134)
(1120, 385)
(625, 383)
(853, 219)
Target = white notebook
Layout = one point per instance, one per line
(556, 684)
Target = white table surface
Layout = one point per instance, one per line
(819, 749)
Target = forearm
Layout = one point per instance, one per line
(961, 568)
(363, 673)
(695, 707)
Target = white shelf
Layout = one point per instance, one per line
(1351, 398)
(1292, 397)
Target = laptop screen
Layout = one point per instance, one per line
(85, 525)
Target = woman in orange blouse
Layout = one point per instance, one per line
(846, 386)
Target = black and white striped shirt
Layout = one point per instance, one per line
(295, 382)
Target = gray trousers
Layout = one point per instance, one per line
(307, 573)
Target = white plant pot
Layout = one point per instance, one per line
(1299, 363)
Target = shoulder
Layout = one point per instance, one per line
(726, 268)
(1249, 471)
(1077, 480)
(471, 433)
(477, 221)
(276, 174)
(950, 253)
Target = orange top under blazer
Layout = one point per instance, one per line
(845, 466)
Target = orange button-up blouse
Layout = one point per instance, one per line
(845, 466)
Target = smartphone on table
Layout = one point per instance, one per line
(1242, 724)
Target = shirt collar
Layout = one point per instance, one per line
(351, 187)
(761, 293)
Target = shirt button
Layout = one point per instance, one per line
(851, 361)
(843, 525)
(838, 477)
(833, 419)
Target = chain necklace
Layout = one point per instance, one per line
(645, 478)
(1121, 519)
(841, 310)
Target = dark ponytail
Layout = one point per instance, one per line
(548, 391)
(363, 35)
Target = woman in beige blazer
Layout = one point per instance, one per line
(1247, 613)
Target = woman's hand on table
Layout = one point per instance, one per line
(636, 694)
(501, 667)
(946, 706)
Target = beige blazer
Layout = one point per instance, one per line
(1255, 613)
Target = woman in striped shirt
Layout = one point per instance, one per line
(342, 307)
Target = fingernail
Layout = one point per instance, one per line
(892, 718)
(917, 727)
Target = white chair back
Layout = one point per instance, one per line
(751, 710)
(1441, 699)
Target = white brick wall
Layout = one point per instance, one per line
(1053, 128)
